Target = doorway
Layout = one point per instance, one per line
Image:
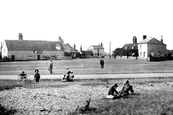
(38, 57)
(12, 57)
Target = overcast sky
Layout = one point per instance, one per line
(87, 22)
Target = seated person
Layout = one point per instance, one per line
(113, 93)
(126, 89)
(69, 76)
(23, 75)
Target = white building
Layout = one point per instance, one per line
(32, 49)
(98, 50)
(151, 46)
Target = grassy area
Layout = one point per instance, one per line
(87, 66)
(154, 98)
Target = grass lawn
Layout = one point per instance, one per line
(87, 66)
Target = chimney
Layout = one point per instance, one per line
(101, 44)
(144, 37)
(74, 46)
(20, 36)
(134, 39)
(81, 48)
(161, 39)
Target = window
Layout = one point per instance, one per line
(97, 50)
(144, 54)
(58, 47)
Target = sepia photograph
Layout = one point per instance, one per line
(86, 57)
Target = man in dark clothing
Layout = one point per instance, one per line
(37, 76)
(102, 63)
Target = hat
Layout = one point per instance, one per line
(36, 70)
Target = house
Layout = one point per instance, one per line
(86, 54)
(130, 49)
(151, 47)
(32, 49)
(70, 51)
(98, 50)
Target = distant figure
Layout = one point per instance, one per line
(37, 76)
(51, 67)
(113, 93)
(68, 76)
(126, 89)
(23, 75)
(102, 63)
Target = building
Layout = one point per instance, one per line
(70, 51)
(32, 49)
(151, 47)
(85, 54)
(98, 50)
(130, 49)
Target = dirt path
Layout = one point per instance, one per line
(142, 75)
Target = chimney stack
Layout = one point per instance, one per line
(80, 47)
(161, 39)
(20, 36)
(134, 39)
(144, 37)
(74, 46)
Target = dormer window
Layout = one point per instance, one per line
(58, 47)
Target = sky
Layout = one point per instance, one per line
(87, 22)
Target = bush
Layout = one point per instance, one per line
(5, 59)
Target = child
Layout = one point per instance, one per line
(126, 88)
(23, 75)
(68, 76)
(113, 93)
(37, 76)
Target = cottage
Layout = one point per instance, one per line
(151, 47)
(32, 49)
(70, 51)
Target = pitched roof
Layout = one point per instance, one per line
(30, 45)
(145, 40)
(130, 46)
(151, 41)
(67, 48)
(96, 47)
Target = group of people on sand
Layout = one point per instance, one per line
(126, 90)
(23, 76)
(68, 76)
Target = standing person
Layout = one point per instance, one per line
(37, 76)
(51, 66)
(102, 63)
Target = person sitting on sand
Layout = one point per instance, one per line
(126, 88)
(69, 75)
(23, 75)
(113, 93)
